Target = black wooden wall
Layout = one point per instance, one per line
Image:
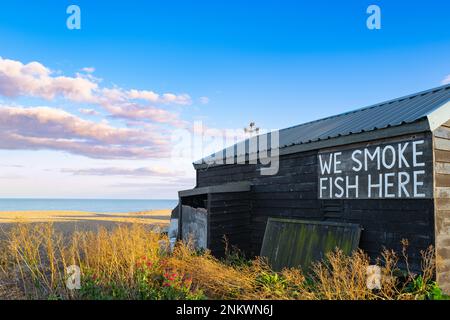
(229, 215)
(293, 193)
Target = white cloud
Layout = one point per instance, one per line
(446, 80)
(166, 98)
(88, 69)
(204, 100)
(89, 112)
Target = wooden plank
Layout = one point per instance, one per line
(239, 218)
(229, 229)
(442, 144)
(442, 132)
(260, 212)
(239, 209)
(285, 195)
(442, 180)
(223, 188)
(230, 168)
(233, 215)
(442, 220)
(443, 203)
(286, 174)
(230, 196)
(442, 192)
(390, 205)
(442, 156)
(291, 178)
(227, 204)
(286, 187)
(442, 168)
(300, 203)
(370, 216)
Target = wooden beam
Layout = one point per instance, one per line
(223, 188)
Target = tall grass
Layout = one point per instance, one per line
(133, 262)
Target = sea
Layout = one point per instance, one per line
(88, 205)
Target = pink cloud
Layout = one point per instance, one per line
(132, 111)
(36, 80)
(44, 128)
(128, 172)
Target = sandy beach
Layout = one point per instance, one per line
(68, 221)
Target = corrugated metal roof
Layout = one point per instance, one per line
(392, 113)
(387, 114)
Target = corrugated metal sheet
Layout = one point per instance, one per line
(297, 243)
(387, 114)
(396, 112)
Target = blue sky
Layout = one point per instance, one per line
(278, 63)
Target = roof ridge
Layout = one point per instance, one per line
(409, 96)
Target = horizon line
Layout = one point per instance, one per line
(121, 199)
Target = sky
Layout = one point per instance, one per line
(98, 112)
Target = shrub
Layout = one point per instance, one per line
(132, 262)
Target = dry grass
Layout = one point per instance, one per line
(132, 262)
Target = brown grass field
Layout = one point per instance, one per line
(125, 256)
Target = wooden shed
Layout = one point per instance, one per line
(385, 167)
